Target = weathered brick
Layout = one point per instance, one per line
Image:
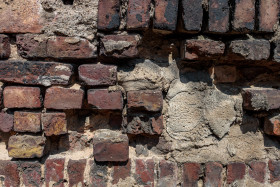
(22, 97)
(5, 48)
(98, 74)
(9, 170)
(257, 171)
(235, 171)
(108, 15)
(272, 125)
(202, 49)
(121, 170)
(54, 172)
(70, 48)
(249, 50)
(276, 54)
(147, 100)
(274, 169)
(213, 174)
(218, 16)
(138, 14)
(110, 146)
(26, 146)
(223, 74)
(63, 98)
(260, 98)
(244, 15)
(191, 173)
(167, 173)
(192, 15)
(54, 123)
(35, 73)
(6, 122)
(20, 16)
(98, 174)
(27, 122)
(76, 169)
(145, 172)
(31, 173)
(268, 15)
(166, 15)
(120, 46)
(105, 100)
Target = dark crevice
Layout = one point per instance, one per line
(68, 2)
(231, 13)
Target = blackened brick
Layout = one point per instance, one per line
(167, 173)
(192, 15)
(138, 14)
(108, 15)
(218, 16)
(274, 169)
(31, 173)
(98, 174)
(5, 48)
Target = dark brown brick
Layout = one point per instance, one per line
(274, 169)
(213, 174)
(257, 171)
(138, 14)
(272, 125)
(98, 174)
(9, 169)
(27, 122)
(268, 15)
(121, 170)
(63, 98)
(5, 48)
(145, 172)
(35, 73)
(22, 97)
(6, 122)
(192, 15)
(76, 169)
(244, 15)
(276, 55)
(218, 16)
(235, 171)
(191, 173)
(108, 15)
(167, 173)
(54, 172)
(98, 74)
(105, 100)
(31, 173)
(54, 123)
(223, 74)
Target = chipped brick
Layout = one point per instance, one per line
(54, 123)
(27, 122)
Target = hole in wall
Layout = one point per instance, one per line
(68, 2)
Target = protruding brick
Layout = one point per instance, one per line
(218, 16)
(70, 48)
(5, 48)
(261, 98)
(54, 172)
(223, 74)
(26, 146)
(110, 146)
(35, 73)
(98, 174)
(120, 46)
(274, 167)
(145, 172)
(213, 174)
(63, 98)
(244, 15)
(9, 170)
(268, 15)
(108, 15)
(167, 173)
(22, 97)
(257, 171)
(202, 49)
(272, 125)
(104, 99)
(76, 169)
(122, 170)
(249, 50)
(54, 123)
(166, 15)
(27, 122)
(6, 122)
(235, 171)
(138, 14)
(98, 74)
(192, 15)
(191, 173)
(147, 100)
(31, 173)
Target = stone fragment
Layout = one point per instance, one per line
(213, 174)
(145, 172)
(191, 173)
(27, 122)
(54, 123)
(192, 15)
(257, 171)
(244, 15)
(235, 171)
(31, 173)
(138, 14)
(75, 170)
(54, 172)
(98, 174)
(5, 48)
(272, 125)
(218, 16)
(223, 74)
(6, 122)
(268, 15)
(167, 173)
(10, 173)
(26, 146)
(108, 15)
(121, 170)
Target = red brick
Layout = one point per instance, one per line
(35, 73)
(54, 123)
(235, 171)
(268, 15)
(138, 14)
(27, 122)
(218, 16)
(192, 15)
(110, 146)
(54, 172)
(274, 169)
(63, 98)
(6, 122)
(98, 174)
(213, 174)
(257, 171)
(20, 16)
(167, 173)
(98, 74)
(76, 169)
(31, 173)
(120, 46)
(166, 15)
(9, 169)
(149, 100)
(223, 74)
(22, 97)
(272, 125)
(108, 15)
(70, 48)
(202, 49)
(5, 48)
(145, 172)
(191, 173)
(244, 15)
(121, 170)
(105, 100)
